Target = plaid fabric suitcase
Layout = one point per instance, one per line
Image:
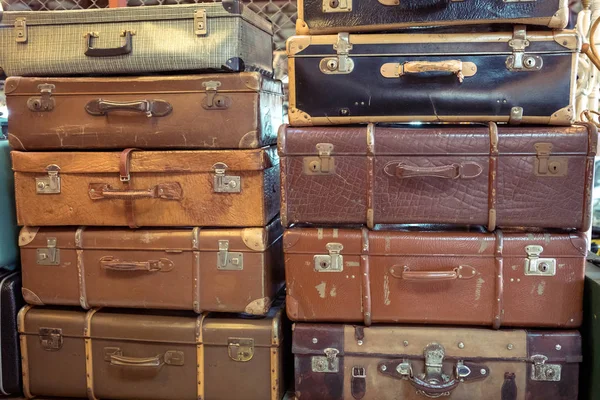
(9, 233)
(10, 359)
(218, 36)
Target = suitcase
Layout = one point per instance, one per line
(326, 17)
(9, 249)
(435, 277)
(223, 36)
(342, 362)
(590, 331)
(10, 359)
(226, 270)
(439, 174)
(520, 76)
(116, 354)
(226, 111)
(235, 188)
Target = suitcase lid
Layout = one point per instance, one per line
(63, 321)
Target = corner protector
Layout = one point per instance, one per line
(233, 6)
(15, 143)
(291, 307)
(281, 139)
(560, 19)
(290, 237)
(568, 40)
(11, 84)
(31, 298)
(564, 116)
(580, 242)
(235, 64)
(258, 306)
(27, 235)
(252, 80)
(296, 44)
(299, 117)
(301, 27)
(255, 238)
(249, 140)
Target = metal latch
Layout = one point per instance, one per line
(21, 30)
(534, 265)
(49, 184)
(229, 261)
(321, 165)
(51, 339)
(44, 102)
(240, 349)
(334, 262)
(200, 23)
(546, 165)
(223, 183)
(327, 363)
(342, 64)
(213, 100)
(518, 61)
(49, 255)
(336, 6)
(544, 372)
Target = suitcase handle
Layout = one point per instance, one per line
(114, 264)
(435, 5)
(122, 361)
(111, 51)
(466, 170)
(460, 272)
(164, 191)
(152, 108)
(457, 67)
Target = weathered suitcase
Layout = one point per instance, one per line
(236, 188)
(439, 174)
(432, 277)
(590, 332)
(226, 270)
(225, 36)
(9, 249)
(117, 354)
(337, 362)
(519, 76)
(323, 17)
(226, 111)
(10, 359)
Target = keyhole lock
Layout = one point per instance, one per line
(324, 265)
(544, 267)
(332, 65)
(554, 167)
(219, 103)
(315, 166)
(41, 185)
(529, 62)
(334, 3)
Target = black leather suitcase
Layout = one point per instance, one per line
(10, 359)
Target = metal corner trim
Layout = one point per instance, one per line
(250, 140)
(560, 19)
(297, 44)
(27, 235)
(255, 239)
(299, 117)
(12, 82)
(301, 26)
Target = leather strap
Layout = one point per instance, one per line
(499, 308)
(509, 387)
(370, 176)
(492, 177)
(358, 383)
(365, 278)
(125, 176)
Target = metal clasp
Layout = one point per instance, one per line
(51, 339)
(336, 6)
(534, 265)
(546, 165)
(240, 349)
(49, 255)
(324, 164)
(342, 64)
(49, 184)
(518, 61)
(44, 102)
(334, 262)
(213, 100)
(21, 30)
(223, 183)
(200, 23)
(229, 261)
(327, 363)
(544, 372)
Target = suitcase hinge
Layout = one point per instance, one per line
(44, 102)
(336, 6)
(334, 262)
(229, 261)
(321, 165)
(49, 255)
(546, 165)
(519, 61)
(21, 30)
(534, 265)
(342, 64)
(51, 339)
(240, 349)
(544, 372)
(200, 23)
(49, 184)
(224, 183)
(327, 363)
(213, 100)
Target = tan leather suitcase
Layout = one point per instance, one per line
(226, 270)
(337, 362)
(219, 111)
(450, 278)
(118, 354)
(236, 188)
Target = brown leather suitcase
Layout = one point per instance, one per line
(432, 277)
(226, 270)
(235, 188)
(119, 354)
(337, 362)
(490, 175)
(221, 111)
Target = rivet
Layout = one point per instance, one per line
(360, 342)
(510, 346)
(405, 343)
(483, 371)
(461, 345)
(512, 279)
(558, 347)
(383, 368)
(315, 340)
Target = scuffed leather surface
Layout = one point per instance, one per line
(10, 304)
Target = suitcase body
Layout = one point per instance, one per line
(425, 77)
(223, 36)
(590, 332)
(235, 188)
(317, 17)
(10, 359)
(439, 174)
(223, 111)
(226, 270)
(130, 355)
(338, 362)
(446, 278)
(8, 222)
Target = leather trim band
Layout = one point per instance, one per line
(125, 176)
(81, 276)
(499, 262)
(196, 284)
(492, 177)
(366, 283)
(200, 355)
(79, 237)
(24, 354)
(89, 372)
(370, 175)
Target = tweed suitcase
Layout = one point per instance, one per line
(224, 111)
(10, 359)
(435, 277)
(219, 36)
(226, 270)
(120, 354)
(225, 188)
(590, 331)
(8, 223)
(324, 17)
(439, 174)
(520, 76)
(341, 362)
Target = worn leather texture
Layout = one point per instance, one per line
(434, 277)
(244, 111)
(10, 357)
(498, 185)
(498, 353)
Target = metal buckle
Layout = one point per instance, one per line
(534, 265)
(223, 183)
(337, 6)
(359, 372)
(541, 371)
(342, 64)
(240, 349)
(324, 164)
(51, 339)
(200, 23)
(49, 255)
(334, 262)
(328, 363)
(229, 261)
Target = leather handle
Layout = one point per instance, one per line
(405, 273)
(457, 67)
(148, 362)
(152, 108)
(164, 191)
(417, 5)
(114, 264)
(127, 47)
(466, 170)
(432, 390)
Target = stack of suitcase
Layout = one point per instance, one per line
(158, 191)
(476, 225)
